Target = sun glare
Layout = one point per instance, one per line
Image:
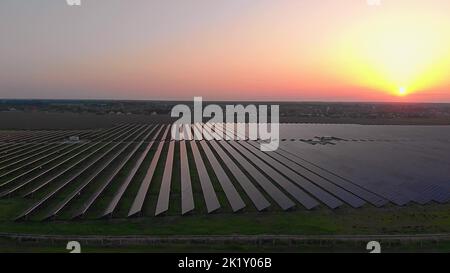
(396, 57)
(402, 91)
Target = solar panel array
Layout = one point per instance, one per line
(137, 170)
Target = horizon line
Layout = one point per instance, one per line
(226, 100)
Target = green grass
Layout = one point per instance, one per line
(412, 219)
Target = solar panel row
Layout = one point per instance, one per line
(111, 175)
(94, 174)
(97, 173)
(28, 180)
(120, 192)
(139, 199)
(235, 200)
(72, 176)
(212, 203)
(98, 147)
(164, 192)
(187, 197)
(19, 149)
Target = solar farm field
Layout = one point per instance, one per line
(133, 179)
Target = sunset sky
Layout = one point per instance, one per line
(328, 50)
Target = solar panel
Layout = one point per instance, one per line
(280, 198)
(33, 135)
(9, 137)
(160, 135)
(296, 192)
(421, 169)
(12, 161)
(234, 199)
(325, 197)
(30, 168)
(411, 168)
(112, 174)
(115, 136)
(13, 146)
(307, 185)
(118, 195)
(257, 198)
(10, 154)
(139, 199)
(34, 138)
(50, 194)
(314, 173)
(212, 203)
(18, 151)
(187, 132)
(407, 171)
(3, 145)
(334, 164)
(187, 198)
(28, 151)
(162, 204)
(302, 197)
(59, 149)
(31, 179)
(68, 198)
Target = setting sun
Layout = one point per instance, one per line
(260, 50)
(402, 91)
(395, 53)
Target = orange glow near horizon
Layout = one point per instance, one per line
(398, 55)
(340, 50)
(389, 54)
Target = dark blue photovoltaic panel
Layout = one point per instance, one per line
(164, 192)
(212, 203)
(257, 198)
(123, 187)
(282, 200)
(235, 200)
(139, 199)
(325, 197)
(306, 200)
(187, 198)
